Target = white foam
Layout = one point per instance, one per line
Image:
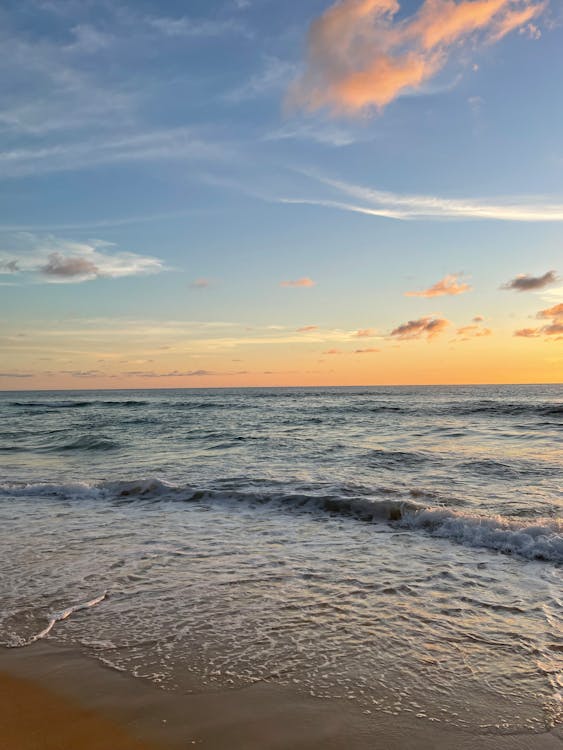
(63, 615)
(536, 539)
(540, 539)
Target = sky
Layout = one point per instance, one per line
(261, 193)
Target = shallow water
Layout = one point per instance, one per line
(398, 547)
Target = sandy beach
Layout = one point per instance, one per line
(53, 698)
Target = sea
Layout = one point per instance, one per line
(400, 548)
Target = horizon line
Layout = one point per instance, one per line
(276, 387)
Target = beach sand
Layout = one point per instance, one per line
(54, 698)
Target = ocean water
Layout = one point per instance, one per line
(401, 548)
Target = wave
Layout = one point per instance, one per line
(87, 443)
(533, 539)
(494, 408)
(391, 459)
(72, 404)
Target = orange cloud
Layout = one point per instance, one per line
(360, 54)
(555, 314)
(427, 327)
(333, 351)
(448, 285)
(473, 332)
(365, 333)
(552, 312)
(527, 333)
(303, 282)
(366, 351)
(553, 328)
(307, 329)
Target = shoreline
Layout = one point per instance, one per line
(53, 696)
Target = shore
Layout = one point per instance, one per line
(54, 698)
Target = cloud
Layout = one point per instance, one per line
(193, 28)
(448, 285)
(365, 333)
(333, 351)
(169, 144)
(15, 375)
(555, 315)
(303, 282)
(526, 283)
(307, 329)
(554, 328)
(527, 333)
(366, 53)
(200, 284)
(367, 351)
(275, 74)
(473, 332)
(478, 319)
(55, 260)
(405, 206)
(552, 312)
(69, 267)
(427, 327)
(180, 374)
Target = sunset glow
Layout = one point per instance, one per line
(364, 200)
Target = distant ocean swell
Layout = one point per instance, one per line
(368, 406)
(534, 539)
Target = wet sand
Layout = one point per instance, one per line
(54, 698)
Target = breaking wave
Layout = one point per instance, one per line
(533, 539)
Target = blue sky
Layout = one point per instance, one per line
(157, 167)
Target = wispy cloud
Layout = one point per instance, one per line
(54, 260)
(524, 282)
(172, 144)
(187, 27)
(200, 284)
(449, 285)
(473, 332)
(305, 281)
(307, 329)
(404, 206)
(369, 350)
(365, 333)
(428, 327)
(366, 53)
(274, 75)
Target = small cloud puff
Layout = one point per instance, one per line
(307, 329)
(200, 284)
(305, 281)
(365, 333)
(427, 327)
(473, 332)
(448, 285)
(524, 282)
